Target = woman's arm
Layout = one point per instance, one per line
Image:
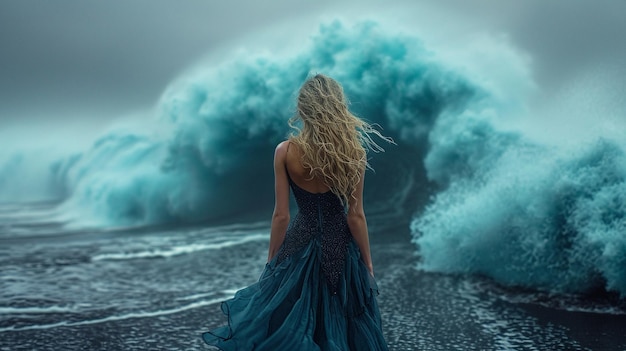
(280, 218)
(358, 224)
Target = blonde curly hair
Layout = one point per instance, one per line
(332, 141)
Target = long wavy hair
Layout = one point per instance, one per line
(332, 141)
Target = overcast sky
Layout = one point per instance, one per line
(97, 60)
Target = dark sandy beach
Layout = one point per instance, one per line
(160, 289)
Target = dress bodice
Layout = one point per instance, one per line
(320, 217)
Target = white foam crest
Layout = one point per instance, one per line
(38, 310)
(231, 291)
(114, 318)
(180, 250)
(36, 218)
(226, 292)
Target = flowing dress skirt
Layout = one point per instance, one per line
(292, 307)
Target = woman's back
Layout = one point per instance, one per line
(320, 218)
(299, 174)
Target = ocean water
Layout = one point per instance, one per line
(488, 194)
(158, 288)
(491, 229)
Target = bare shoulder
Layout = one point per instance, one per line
(281, 149)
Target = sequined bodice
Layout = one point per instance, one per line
(321, 217)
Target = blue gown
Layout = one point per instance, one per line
(315, 294)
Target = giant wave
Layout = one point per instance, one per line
(507, 206)
(208, 153)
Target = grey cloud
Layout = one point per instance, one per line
(101, 58)
(68, 56)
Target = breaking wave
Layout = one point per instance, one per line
(486, 197)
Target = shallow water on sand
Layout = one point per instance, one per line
(160, 288)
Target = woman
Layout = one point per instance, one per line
(317, 291)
